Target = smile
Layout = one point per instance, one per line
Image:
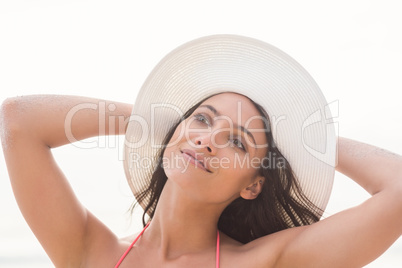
(195, 159)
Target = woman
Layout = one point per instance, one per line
(227, 127)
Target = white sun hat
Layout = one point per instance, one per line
(300, 118)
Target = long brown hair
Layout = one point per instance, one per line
(273, 210)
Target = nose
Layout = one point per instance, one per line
(205, 142)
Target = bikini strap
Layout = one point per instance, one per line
(217, 249)
(131, 246)
(143, 230)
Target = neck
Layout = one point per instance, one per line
(182, 225)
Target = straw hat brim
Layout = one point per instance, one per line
(299, 114)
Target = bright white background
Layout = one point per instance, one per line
(106, 49)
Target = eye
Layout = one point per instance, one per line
(202, 119)
(237, 142)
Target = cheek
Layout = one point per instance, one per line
(172, 162)
(177, 136)
(241, 164)
(171, 156)
(242, 171)
(236, 174)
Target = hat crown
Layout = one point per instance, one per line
(299, 115)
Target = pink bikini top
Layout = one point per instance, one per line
(132, 244)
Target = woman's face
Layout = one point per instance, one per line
(215, 154)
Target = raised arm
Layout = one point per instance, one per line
(359, 235)
(31, 127)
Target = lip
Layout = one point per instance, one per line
(196, 159)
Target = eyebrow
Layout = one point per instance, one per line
(243, 129)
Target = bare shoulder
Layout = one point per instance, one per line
(262, 252)
(104, 247)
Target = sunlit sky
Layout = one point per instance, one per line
(105, 49)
